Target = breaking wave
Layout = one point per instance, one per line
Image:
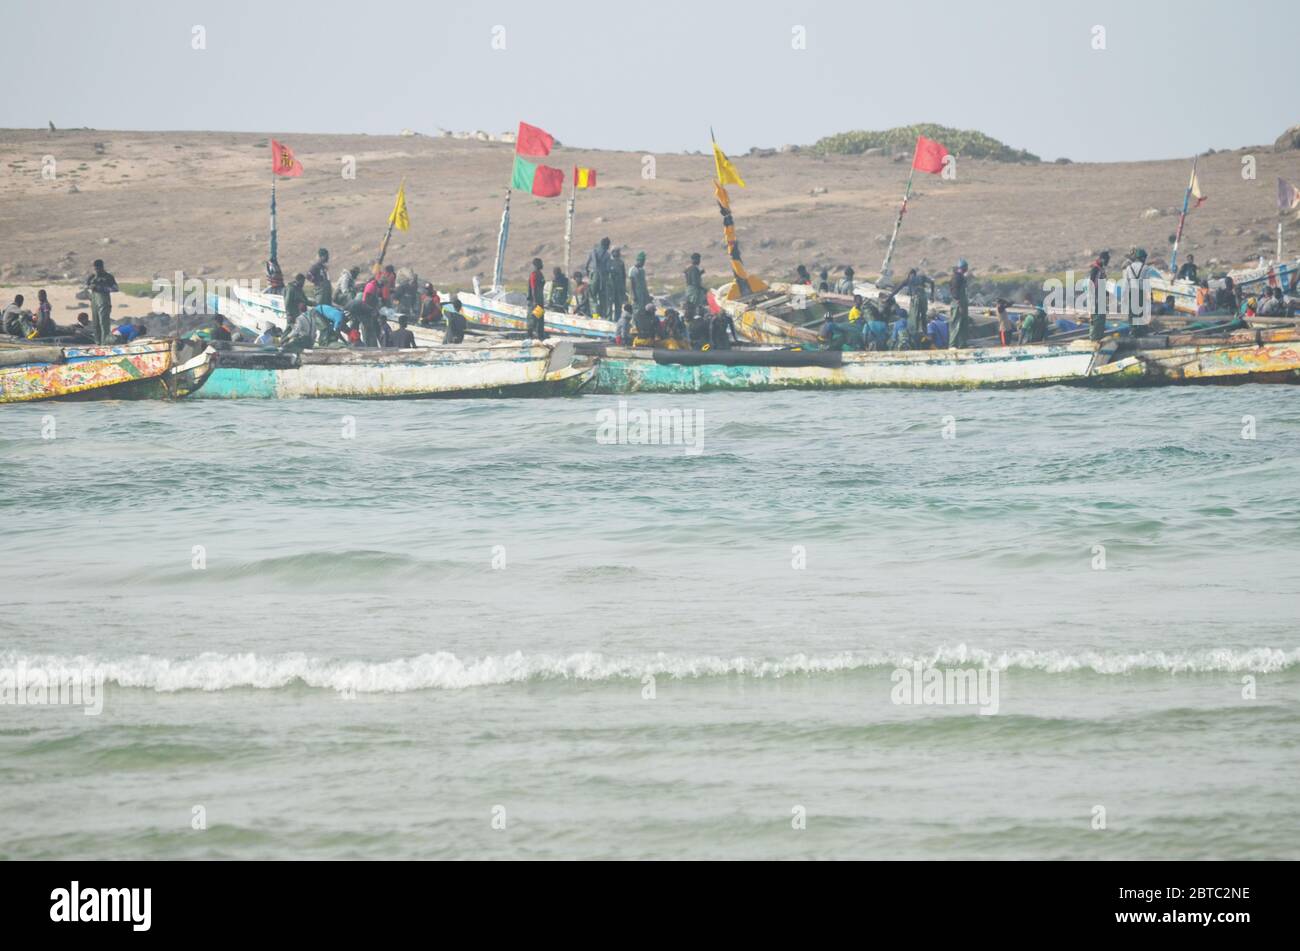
(446, 671)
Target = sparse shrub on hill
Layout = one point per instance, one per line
(966, 143)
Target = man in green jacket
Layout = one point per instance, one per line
(617, 285)
(101, 285)
(960, 290)
(637, 282)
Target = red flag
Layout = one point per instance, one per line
(548, 182)
(283, 161)
(929, 156)
(533, 141)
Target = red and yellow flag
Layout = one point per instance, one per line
(283, 161)
(584, 177)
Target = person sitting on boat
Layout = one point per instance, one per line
(697, 333)
(1225, 299)
(219, 329)
(937, 329)
(823, 281)
(1251, 304)
(722, 331)
(455, 332)
(845, 284)
(581, 295)
(9, 317)
(430, 306)
(301, 334)
(557, 298)
(1188, 271)
(801, 276)
(268, 335)
(832, 334)
(1033, 326)
(623, 330)
(402, 337)
(1204, 298)
(128, 331)
(875, 331)
(274, 277)
(672, 331)
(1274, 305)
(647, 328)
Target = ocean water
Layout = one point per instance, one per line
(479, 629)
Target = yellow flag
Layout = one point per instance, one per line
(1195, 187)
(398, 219)
(727, 174)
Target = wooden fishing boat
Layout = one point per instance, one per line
(143, 369)
(630, 370)
(503, 369)
(1260, 356)
(510, 312)
(1252, 281)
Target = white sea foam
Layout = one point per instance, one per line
(446, 671)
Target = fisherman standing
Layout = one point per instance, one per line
(918, 308)
(537, 301)
(295, 298)
(960, 290)
(1136, 292)
(617, 284)
(102, 286)
(346, 288)
(696, 298)
(319, 275)
(581, 295)
(1097, 297)
(598, 272)
(637, 284)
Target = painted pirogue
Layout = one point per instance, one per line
(143, 369)
(502, 368)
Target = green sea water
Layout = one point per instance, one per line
(335, 629)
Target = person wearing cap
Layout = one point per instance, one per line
(636, 280)
(102, 285)
(558, 297)
(267, 336)
(845, 284)
(696, 298)
(959, 289)
(319, 275)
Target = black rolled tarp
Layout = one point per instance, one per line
(751, 358)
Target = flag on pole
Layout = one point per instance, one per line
(1288, 195)
(929, 156)
(727, 174)
(532, 141)
(283, 161)
(541, 180)
(399, 219)
(584, 177)
(1195, 187)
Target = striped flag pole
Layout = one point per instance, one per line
(1187, 197)
(885, 272)
(568, 224)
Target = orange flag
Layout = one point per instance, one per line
(283, 161)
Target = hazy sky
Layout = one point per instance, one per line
(1175, 78)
